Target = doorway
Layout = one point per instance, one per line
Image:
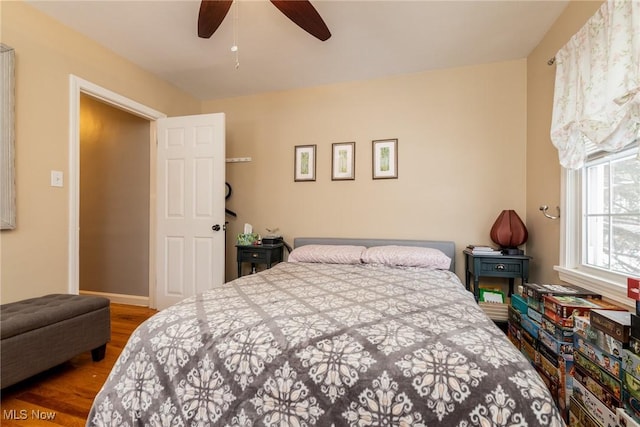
(198, 143)
(114, 202)
(78, 86)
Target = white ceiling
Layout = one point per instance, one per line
(369, 39)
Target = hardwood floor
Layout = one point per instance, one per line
(63, 395)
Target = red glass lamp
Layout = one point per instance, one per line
(509, 232)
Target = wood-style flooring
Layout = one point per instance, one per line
(63, 395)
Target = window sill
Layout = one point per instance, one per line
(608, 289)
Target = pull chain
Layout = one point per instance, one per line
(236, 21)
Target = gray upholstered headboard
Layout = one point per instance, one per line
(449, 248)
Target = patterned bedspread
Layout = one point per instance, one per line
(329, 345)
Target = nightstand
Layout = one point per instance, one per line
(259, 254)
(508, 266)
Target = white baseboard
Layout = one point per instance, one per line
(120, 298)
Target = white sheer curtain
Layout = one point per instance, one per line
(597, 91)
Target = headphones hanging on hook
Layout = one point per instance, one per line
(226, 197)
(228, 193)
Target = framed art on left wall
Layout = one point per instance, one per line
(7, 138)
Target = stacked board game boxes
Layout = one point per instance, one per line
(600, 341)
(541, 326)
(629, 414)
(606, 388)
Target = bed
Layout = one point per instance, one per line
(348, 332)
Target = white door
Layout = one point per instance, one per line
(190, 233)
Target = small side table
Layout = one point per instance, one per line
(259, 254)
(507, 266)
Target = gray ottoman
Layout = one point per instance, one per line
(40, 333)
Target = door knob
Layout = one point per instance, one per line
(216, 227)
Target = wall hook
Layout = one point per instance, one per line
(544, 208)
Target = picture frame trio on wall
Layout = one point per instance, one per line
(343, 155)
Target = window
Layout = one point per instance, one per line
(612, 213)
(594, 124)
(600, 237)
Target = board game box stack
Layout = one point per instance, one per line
(558, 335)
(630, 375)
(607, 366)
(599, 345)
(541, 326)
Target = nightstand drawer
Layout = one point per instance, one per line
(492, 267)
(255, 256)
(501, 266)
(259, 254)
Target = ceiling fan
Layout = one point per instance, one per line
(301, 12)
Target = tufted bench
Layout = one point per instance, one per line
(40, 333)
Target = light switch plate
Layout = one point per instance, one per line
(56, 179)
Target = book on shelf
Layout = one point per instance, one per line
(474, 252)
(496, 312)
(491, 296)
(484, 250)
(482, 247)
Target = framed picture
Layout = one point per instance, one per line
(305, 163)
(343, 164)
(7, 138)
(385, 158)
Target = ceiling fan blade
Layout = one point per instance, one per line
(211, 14)
(303, 14)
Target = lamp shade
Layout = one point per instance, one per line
(509, 231)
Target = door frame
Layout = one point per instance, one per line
(77, 86)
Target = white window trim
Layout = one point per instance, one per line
(570, 269)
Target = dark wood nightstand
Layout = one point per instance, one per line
(508, 266)
(259, 254)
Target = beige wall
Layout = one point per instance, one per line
(34, 256)
(472, 141)
(543, 168)
(462, 143)
(114, 200)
